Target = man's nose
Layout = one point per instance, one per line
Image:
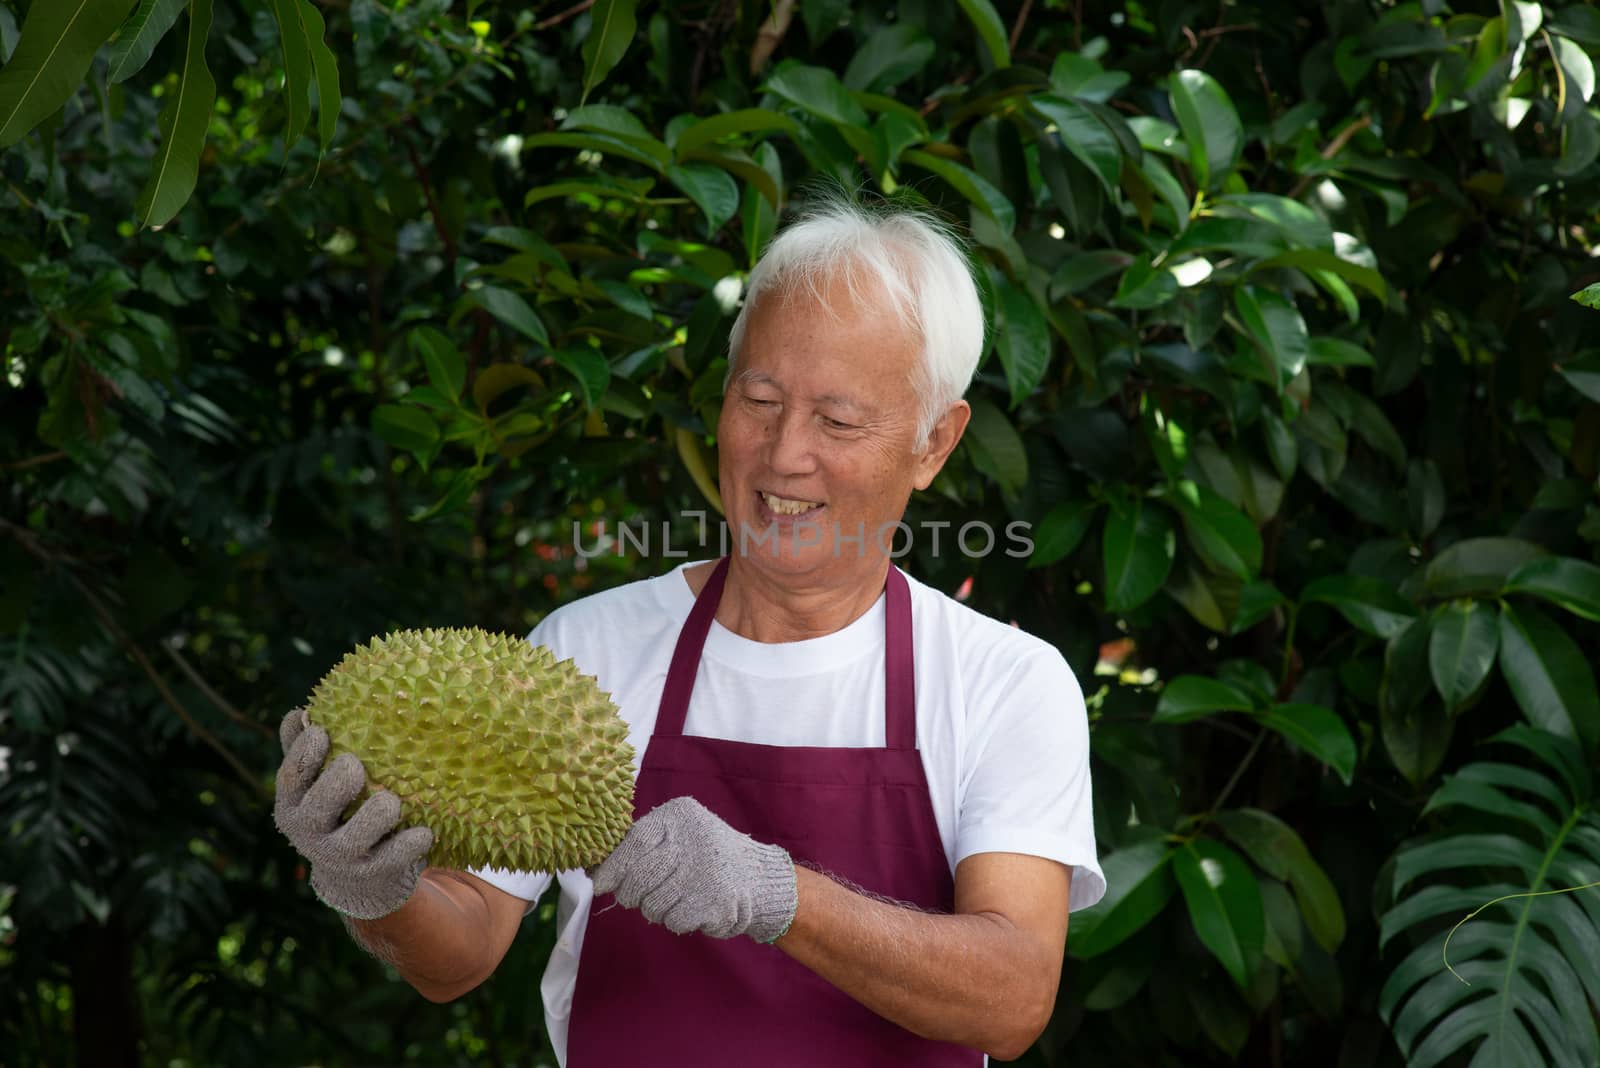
(790, 449)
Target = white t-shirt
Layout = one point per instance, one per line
(1001, 726)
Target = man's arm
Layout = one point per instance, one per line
(985, 977)
(448, 937)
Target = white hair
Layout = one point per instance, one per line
(908, 258)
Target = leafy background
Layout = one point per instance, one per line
(320, 319)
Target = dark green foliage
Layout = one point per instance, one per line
(1284, 376)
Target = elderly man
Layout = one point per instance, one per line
(863, 810)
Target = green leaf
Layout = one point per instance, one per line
(182, 123)
(1060, 531)
(326, 70)
(652, 155)
(1477, 566)
(893, 53)
(1083, 270)
(611, 119)
(1369, 605)
(1318, 731)
(1315, 259)
(1210, 125)
(1461, 649)
(1143, 286)
(405, 428)
(986, 20)
(997, 450)
(1085, 136)
(983, 196)
(455, 495)
(628, 299)
(1022, 338)
(1549, 675)
(589, 367)
(1224, 904)
(511, 310)
(1139, 547)
(1277, 850)
(819, 91)
(1588, 296)
(447, 368)
(708, 131)
(1333, 352)
(611, 29)
(1276, 327)
(58, 42)
(1583, 373)
(139, 37)
(1191, 697)
(1222, 535)
(297, 70)
(1572, 584)
(712, 190)
(1212, 598)
(1138, 886)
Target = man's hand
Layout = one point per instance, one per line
(683, 867)
(355, 868)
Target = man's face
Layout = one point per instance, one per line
(817, 433)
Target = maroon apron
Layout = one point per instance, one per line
(646, 996)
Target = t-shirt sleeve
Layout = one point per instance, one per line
(1026, 775)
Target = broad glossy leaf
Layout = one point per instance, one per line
(1572, 584)
(1138, 886)
(1549, 674)
(1318, 731)
(1143, 286)
(611, 119)
(708, 131)
(1368, 604)
(1060, 531)
(603, 143)
(325, 68)
(297, 70)
(1480, 566)
(1425, 497)
(1211, 597)
(1276, 327)
(611, 29)
(589, 367)
(1022, 338)
(1083, 270)
(1085, 136)
(892, 54)
(405, 428)
(1224, 904)
(990, 29)
(1315, 259)
(1210, 125)
(1334, 352)
(1588, 296)
(818, 91)
(1191, 697)
(1280, 852)
(58, 42)
(1139, 547)
(712, 190)
(446, 367)
(983, 196)
(1222, 535)
(139, 36)
(997, 449)
(1461, 650)
(511, 310)
(183, 123)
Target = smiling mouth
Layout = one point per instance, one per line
(787, 506)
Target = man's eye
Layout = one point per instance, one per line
(834, 424)
(760, 403)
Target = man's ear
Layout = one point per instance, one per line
(942, 440)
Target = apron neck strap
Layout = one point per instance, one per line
(900, 701)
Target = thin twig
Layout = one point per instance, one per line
(559, 18)
(1016, 27)
(212, 695)
(34, 461)
(771, 35)
(1333, 148)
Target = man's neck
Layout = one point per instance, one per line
(764, 607)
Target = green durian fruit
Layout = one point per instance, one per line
(515, 760)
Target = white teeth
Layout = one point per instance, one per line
(784, 506)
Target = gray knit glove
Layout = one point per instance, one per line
(357, 867)
(683, 867)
